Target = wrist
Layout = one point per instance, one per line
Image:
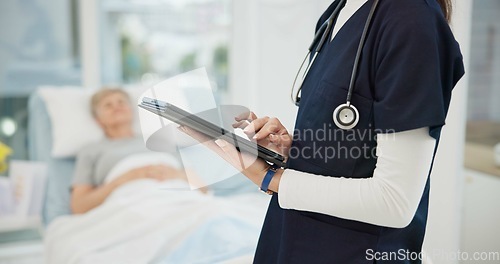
(115, 184)
(269, 181)
(275, 181)
(122, 179)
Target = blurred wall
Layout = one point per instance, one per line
(270, 39)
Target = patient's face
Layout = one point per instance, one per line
(114, 110)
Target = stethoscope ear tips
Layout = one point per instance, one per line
(346, 116)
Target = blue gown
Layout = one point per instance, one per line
(409, 66)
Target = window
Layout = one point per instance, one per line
(36, 48)
(143, 41)
(483, 115)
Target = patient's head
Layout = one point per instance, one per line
(112, 110)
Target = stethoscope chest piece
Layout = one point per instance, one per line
(346, 116)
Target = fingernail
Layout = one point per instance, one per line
(221, 143)
(255, 136)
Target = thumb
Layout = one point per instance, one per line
(231, 154)
(222, 144)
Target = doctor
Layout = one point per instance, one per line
(356, 186)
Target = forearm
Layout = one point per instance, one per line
(85, 198)
(367, 200)
(83, 203)
(389, 198)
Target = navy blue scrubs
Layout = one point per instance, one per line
(409, 66)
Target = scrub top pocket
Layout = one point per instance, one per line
(319, 142)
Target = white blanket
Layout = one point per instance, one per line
(140, 160)
(146, 221)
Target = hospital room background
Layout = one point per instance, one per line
(53, 53)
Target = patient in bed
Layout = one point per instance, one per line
(95, 175)
(132, 205)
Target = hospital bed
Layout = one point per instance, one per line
(60, 171)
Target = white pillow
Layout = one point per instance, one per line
(73, 126)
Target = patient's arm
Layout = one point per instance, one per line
(86, 197)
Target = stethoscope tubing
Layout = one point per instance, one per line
(324, 33)
(359, 51)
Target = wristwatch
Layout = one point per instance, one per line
(267, 179)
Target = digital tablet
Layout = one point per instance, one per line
(181, 117)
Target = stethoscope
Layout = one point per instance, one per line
(345, 116)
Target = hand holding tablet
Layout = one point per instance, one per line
(207, 131)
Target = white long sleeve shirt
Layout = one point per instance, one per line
(349, 9)
(390, 198)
